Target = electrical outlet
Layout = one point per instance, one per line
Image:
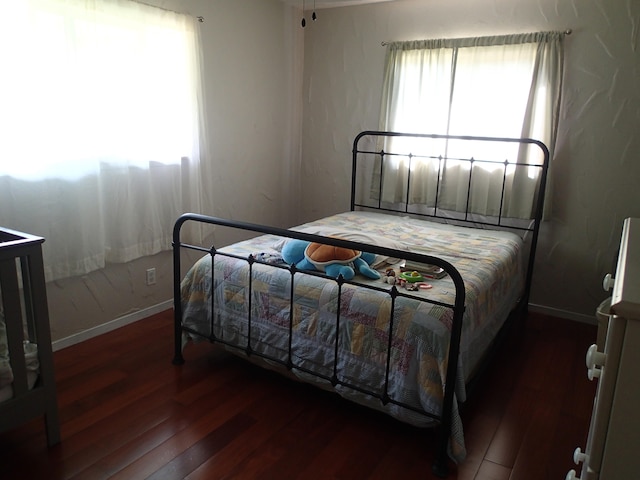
(151, 276)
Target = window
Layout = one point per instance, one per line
(101, 129)
(505, 86)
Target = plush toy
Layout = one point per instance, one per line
(332, 260)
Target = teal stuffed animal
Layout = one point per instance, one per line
(333, 261)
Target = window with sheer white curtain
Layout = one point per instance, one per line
(100, 128)
(506, 86)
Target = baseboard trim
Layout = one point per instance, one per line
(110, 326)
(556, 312)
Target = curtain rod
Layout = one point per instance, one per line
(141, 2)
(384, 43)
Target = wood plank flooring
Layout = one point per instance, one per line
(128, 413)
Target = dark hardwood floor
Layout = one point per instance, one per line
(128, 413)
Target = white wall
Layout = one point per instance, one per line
(252, 75)
(596, 172)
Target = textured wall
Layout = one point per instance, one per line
(252, 63)
(596, 172)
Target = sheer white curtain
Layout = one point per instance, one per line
(101, 128)
(507, 86)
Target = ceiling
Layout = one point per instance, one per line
(330, 3)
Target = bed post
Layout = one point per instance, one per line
(178, 358)
(539, 213)
(440, 467)
(354, 163)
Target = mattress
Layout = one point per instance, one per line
(489, 261)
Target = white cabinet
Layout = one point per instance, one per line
(613, 445)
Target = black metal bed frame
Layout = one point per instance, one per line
(440, 466)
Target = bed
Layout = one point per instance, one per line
(391, 344)
(27, 384)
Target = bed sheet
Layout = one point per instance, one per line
(489, 262)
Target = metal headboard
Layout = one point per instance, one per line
(465, 216)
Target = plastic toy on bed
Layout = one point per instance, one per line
(412, 277)
(332, 260)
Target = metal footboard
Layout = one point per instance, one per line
(440, 466)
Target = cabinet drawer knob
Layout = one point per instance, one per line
(579, 456)
(595, 358)
(607, 282)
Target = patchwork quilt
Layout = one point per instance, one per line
(219, 296)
